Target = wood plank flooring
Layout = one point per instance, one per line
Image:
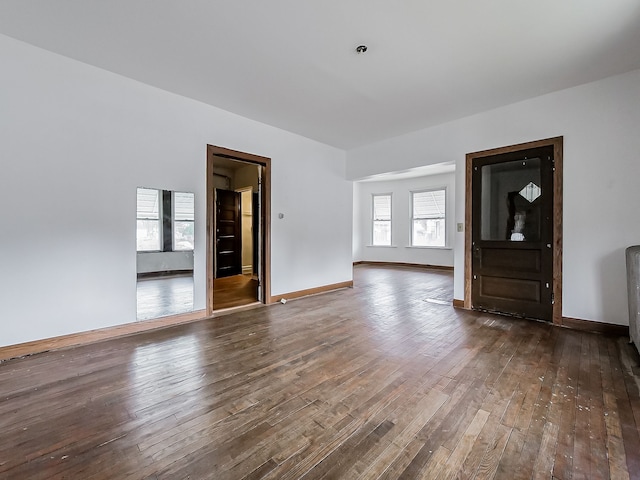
(164, 296)
(374, 382)
(234, 291)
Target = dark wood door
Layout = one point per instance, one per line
(512, 233)
(228, 234)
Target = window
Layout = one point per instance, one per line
(149, 228)
(382, 220)
(428, 218)
(183, 217)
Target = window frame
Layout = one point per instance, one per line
(413, 218)
(374, 219)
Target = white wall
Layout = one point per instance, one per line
(401, 250)
(150, 262)
(76, 141)
(599, 122)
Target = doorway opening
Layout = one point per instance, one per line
(513, 234)
(238, 237)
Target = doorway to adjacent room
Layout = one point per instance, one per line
(238, 206)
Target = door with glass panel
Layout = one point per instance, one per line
(512, 234)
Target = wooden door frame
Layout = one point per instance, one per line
(557, 144)
(265, 211)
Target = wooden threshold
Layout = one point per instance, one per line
(240, 308)
(93, 336)
(311, 291)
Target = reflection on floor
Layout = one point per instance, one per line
(163, 296)
(365, 382)
(234, 291)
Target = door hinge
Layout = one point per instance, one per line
(553, 298)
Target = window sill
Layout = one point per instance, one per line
(381, 246)
(428, 248)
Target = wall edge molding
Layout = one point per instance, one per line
(593, 326)
(404, 264)
(93, 336)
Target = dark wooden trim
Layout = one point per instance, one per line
(595, 327)
(468, 215)
(312, 291)
(557, 228)
(458, 303)
(93, 336)
(557, 143)
(266, 222)
(265, 164)
(210, 236)
(165, 273)
(404, 264)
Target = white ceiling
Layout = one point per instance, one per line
(434, 169)
(292, 63)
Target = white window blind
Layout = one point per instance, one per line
(149, 229)
(381, 220)
(429, 218)
(183, 220)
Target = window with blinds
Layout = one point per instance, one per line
(428, 218)
(381, 220)
(149, 227)
(183, 220)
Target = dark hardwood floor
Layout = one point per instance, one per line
(378, 381)
(234, 291)
(163, 296)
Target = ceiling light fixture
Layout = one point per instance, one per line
(361, 48)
